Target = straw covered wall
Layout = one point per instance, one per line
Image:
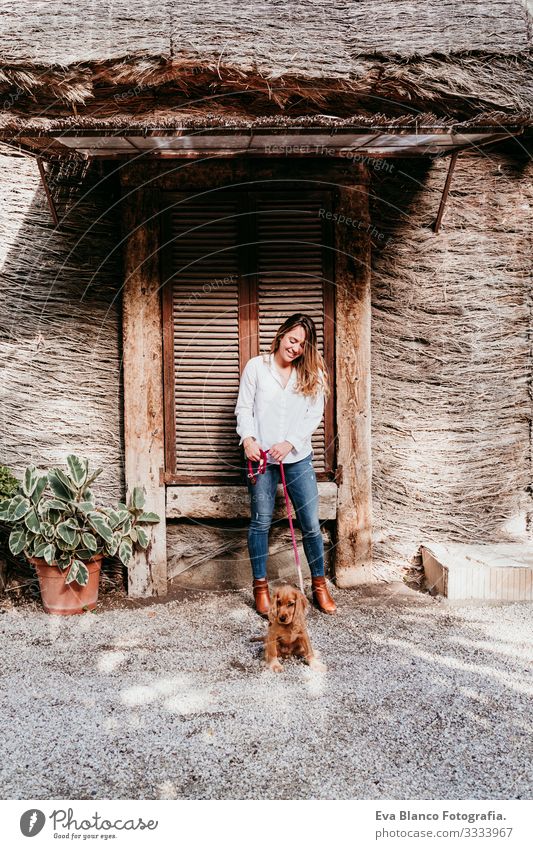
(59, 321)
(451, 354)
(451, 342)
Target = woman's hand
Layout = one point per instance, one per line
(252, 449)
(280, 450)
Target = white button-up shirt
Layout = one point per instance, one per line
(273, 413)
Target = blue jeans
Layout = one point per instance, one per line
(303, 492)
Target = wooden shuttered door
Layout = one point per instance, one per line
(291, 274)
(234, 266)
(201, 336)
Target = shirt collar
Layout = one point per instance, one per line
(277, 375)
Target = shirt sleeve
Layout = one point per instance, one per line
(244, 409)
(309, 423)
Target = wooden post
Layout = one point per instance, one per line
(446, 190)
(143, 381)
(353, 538)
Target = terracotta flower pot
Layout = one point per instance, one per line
(65, 599)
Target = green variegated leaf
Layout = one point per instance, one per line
(99, 523)
(39, 547)
(13, 504)
(133, 534)
(65, 480)
(72, 572)
(4, 508)
(32, 521)
(19, 509)
(39, 489)
(149, 518)
(89, 541)
(78, 469)
(49, 553)
(31, 476)
(122, 506)
(78, 572)
(52, 504)
(83, 573)
(74, 545)
(84, 553)
(30, 539)
(137, 498)
(113, 517)
(48, 530)
(142, 537)
(66, 532)
(17, 540)
(112, 547)
(60, 485)
(89, 496)
(84, 506)
(126, 526)
(125, 551)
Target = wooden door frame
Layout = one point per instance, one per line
(143, 357)
(353, 530)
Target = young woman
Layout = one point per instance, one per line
(280, 405)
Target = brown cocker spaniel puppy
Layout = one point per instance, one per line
(287, 632)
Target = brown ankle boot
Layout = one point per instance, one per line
(261, 596)
(321, 596)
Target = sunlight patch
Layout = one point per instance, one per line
(136, 696)
(110, 661)
(194, 701)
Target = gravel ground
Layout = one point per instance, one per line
(168, 700)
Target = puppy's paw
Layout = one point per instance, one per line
(275, 666)
(317, 665)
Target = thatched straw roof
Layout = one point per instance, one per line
(385, 63)
(308, 38)
(457, 86)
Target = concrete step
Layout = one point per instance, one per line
(485, 571)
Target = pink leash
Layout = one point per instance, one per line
(261, 469)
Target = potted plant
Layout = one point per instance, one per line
(57, 524)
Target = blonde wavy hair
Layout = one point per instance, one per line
(310, 363)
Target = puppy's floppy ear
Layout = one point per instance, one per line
(273, 610)
(301, 605)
